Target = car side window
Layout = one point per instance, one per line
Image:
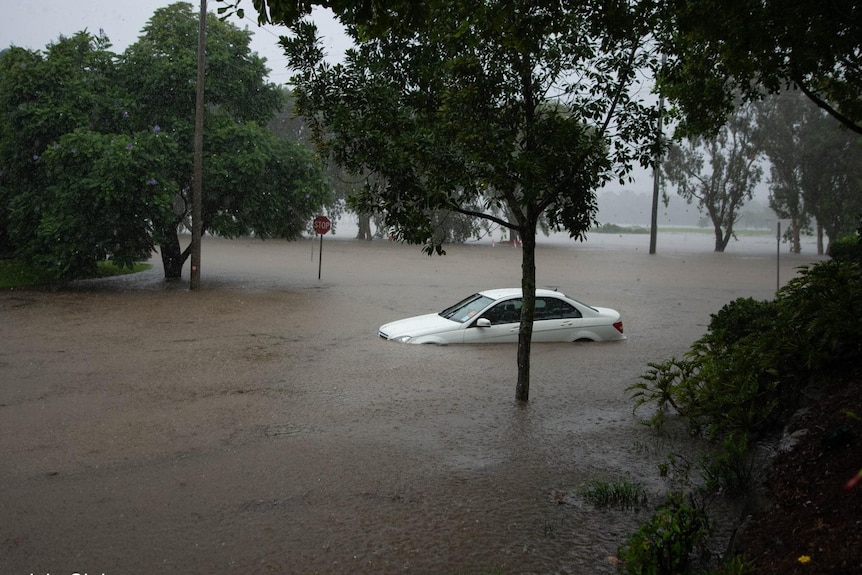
(553, 308)
(508, 311)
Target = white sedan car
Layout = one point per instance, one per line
(494, 316)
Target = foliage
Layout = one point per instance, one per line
(781, 136)
(820, 311)
(719, 50)
(704, 386)
(730, 471)
(847, 249)
(42, 97)
(664, 544)
(96, 148)
(621, 493)
(815, 166)
(756, 356)
(718, 173)
(100, 197)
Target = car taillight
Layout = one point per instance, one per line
(619, 326)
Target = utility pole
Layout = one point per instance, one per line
(656, 174)
(197, 185)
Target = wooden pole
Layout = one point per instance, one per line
(197, 184)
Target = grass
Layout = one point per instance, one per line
(621, 493)
(17, 274)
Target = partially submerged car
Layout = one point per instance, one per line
(494, 316)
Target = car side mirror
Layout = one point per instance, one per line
(483, 322)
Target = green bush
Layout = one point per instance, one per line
(820, 311)
(847, 249)
(664, 544)
(731, 470)
(756, 357)
(737, 320)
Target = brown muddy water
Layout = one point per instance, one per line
(260, 426)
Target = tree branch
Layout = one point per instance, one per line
(822, 104)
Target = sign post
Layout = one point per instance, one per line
(321, 225)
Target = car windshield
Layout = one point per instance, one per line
(466, 308)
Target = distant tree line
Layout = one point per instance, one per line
(815, 169)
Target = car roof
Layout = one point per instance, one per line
(501, 293)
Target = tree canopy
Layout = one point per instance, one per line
(719, 50)
(97, 147)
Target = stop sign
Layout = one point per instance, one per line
(322, 225)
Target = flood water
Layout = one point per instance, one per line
(260, 426)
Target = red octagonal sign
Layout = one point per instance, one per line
(322, 225)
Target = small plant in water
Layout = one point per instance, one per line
(621, 493)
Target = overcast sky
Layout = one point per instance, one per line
(36, 24)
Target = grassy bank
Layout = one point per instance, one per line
(16, 274)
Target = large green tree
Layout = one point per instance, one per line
(719, 50)
(52, 106)
(509, 111)
(98, 147)
(253, 181)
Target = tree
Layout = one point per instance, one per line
(98, 150)
(815, 166)
(241, 156)
(832, 178)
(780, 120)
(719, 173)
(718, 51)
(509, 111)
(53, 105)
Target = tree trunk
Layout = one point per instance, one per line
(819, 239)
(795, 244)
(528, 310)
(173, 257)
(364, 221)
(721, 239)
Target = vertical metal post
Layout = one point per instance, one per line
(320, 257)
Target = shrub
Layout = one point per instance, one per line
(755, 358)
(664, 544)
(731, 470)
(821, 310)
(847, 249)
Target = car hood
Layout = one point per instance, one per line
(417, 326)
